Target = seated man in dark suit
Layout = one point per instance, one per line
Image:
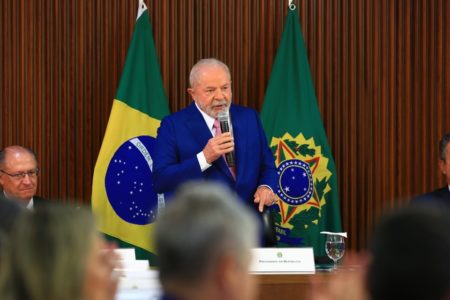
(440, 197)
(19, 175)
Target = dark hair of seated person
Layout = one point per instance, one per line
(410, 252)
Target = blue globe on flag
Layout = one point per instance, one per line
(295, 182)
(128, 181)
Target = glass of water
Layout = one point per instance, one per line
(335, 248)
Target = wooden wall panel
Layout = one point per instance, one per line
(381, 70)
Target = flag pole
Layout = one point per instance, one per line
(291, 5)
(141, 8)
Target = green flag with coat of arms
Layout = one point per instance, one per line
(123, 198)
(307, 186)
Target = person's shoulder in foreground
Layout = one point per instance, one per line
(9, 213)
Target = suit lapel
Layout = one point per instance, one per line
(197, 126)
(240, 132)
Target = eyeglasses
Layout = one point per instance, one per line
(19, 176)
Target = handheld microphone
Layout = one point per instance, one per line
(225, 127)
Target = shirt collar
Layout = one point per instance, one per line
(29, 205)
(208, 119)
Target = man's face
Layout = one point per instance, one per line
(212, 91)
(17, 187)
(445, 164)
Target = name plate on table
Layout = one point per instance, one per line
(282, 261)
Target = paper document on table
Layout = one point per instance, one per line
(125, 253)
(148, 274)
(282, 261)
(134, 264)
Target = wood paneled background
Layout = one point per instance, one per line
(381, 70)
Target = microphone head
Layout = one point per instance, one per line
(222, 116)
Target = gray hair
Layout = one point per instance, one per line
(14, 149)
(202, 223)
(195, 71)
(443, 144)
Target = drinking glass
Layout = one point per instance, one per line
(335, 248)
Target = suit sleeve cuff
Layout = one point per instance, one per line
(202, 161)
(265, 185)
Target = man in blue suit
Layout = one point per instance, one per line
(188, 146)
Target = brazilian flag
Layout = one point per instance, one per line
(307, 185)
(123, 198)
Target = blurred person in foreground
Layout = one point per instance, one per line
(19, 176)
(190, 144)
(56, 253)
(441, 196)
(347, 283)
(408, 258)
(203, 240)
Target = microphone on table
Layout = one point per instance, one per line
(223, 118)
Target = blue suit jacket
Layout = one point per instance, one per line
(184, 134)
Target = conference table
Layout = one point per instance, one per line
(138, 282)
(270, 286)
(289, 286)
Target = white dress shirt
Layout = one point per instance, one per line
(210, 123)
